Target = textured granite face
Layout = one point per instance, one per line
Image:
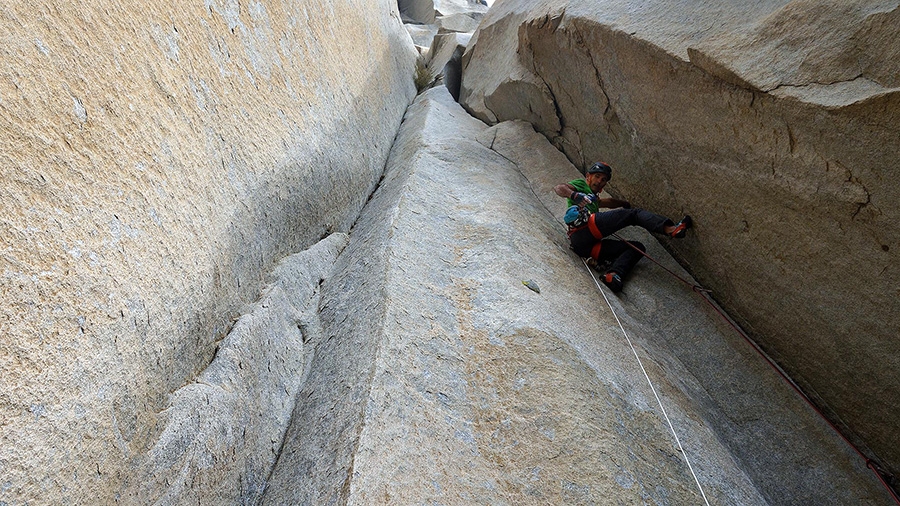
(441, 378)
(774, 124)
(177, 183)
(156, 161)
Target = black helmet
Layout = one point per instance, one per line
(600, 168)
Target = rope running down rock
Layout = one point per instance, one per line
(652, 388)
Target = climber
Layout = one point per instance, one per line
(588, 227)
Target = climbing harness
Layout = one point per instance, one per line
(591, 224)
(647, 377)
(704, 293)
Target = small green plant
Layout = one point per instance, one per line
(422, 77)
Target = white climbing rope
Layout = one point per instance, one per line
(671, 427)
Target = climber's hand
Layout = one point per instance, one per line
(583, 199)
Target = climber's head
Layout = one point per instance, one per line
(597, 176)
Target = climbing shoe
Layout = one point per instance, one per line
(680, 228)
(613, 281)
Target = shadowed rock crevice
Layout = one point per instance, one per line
(318, 461)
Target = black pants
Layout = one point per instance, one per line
(591, 240)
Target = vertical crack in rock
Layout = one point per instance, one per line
(602, 87)
(318, 463)
(792, 141)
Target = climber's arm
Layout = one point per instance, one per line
(564, 190)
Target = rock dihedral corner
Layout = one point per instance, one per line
(443, 378)
(791, 189)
